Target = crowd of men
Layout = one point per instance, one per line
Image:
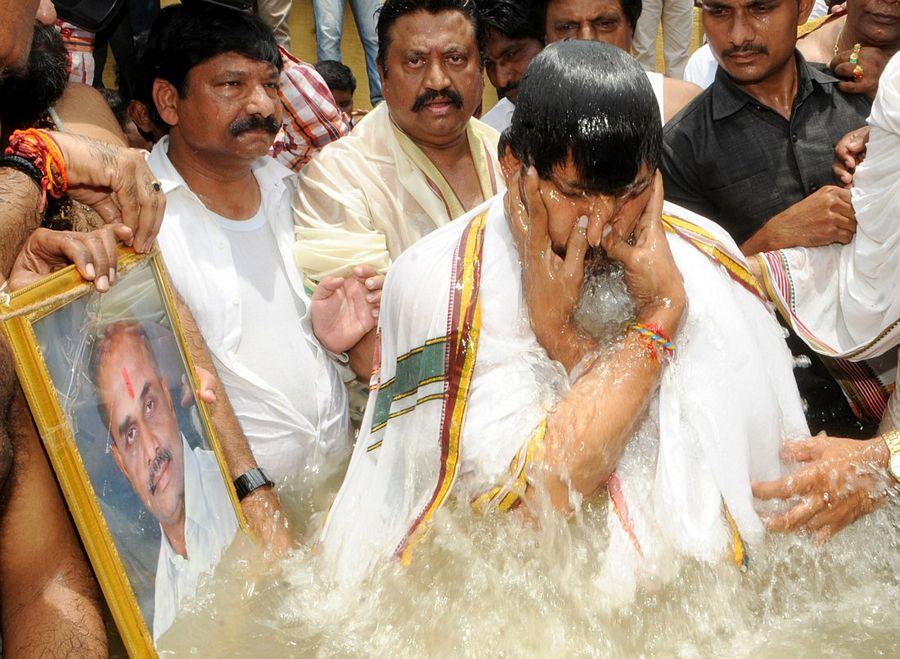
(444, 261)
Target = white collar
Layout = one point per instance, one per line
(269, 173)
(197, 510)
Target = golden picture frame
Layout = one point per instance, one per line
(136, 460)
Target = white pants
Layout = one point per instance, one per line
(274, 13)
(676, 18)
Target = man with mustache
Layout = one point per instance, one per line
(754, 152)
(874, 24)
(513, 36)
(413, 164)
(227, 241)
(181, 487)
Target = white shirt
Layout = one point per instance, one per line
(275, 349)
(204, 270)
(499, 116)
(701, 67)
(209, 527)
(503, 116)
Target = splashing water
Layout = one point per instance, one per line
(500, 586)
(495, 586)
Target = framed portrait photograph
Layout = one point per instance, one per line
(110, 384)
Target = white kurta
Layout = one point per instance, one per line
(367, 197)
(844, 300)
(206, 275)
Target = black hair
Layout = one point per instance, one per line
(631, 8)
(184, 36)
(26, 95)
(391, 10)
(336, 75)
(514, 19)
(592, 102)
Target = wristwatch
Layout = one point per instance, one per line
(892, 440)
(251, 481)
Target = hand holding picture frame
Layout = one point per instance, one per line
(109, 381)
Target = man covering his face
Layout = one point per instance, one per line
(491, 389)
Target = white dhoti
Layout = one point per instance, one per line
(463, 388)
(844, 300)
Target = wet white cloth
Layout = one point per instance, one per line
(367, 197)
(205, 273)
(209, 527)
(499, 116)
(722, 409)
(844, 300)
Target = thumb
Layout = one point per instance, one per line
(123, 233)
(615, 245)
(576, 248)
(327, 287)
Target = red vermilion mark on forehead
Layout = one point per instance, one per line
(128, 385)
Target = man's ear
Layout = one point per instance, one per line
(139, 113)
(165, 97)
(509, 164)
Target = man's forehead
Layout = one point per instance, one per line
(497, 43)
(235, 63)
(426, 31)
(731, 4)
(582, 9)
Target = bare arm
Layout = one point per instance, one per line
(592, 423)
(677, 94)
(84, 111)
(262, 507)
(50, 601)
(824, 217)
(584, 439)
(19, 201)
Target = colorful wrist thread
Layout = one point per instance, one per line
(658, 344)
(40, 148)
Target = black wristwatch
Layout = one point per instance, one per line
(251, 481)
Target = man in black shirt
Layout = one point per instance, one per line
(754, 153)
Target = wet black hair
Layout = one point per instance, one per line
(592, 102)
(336, 75)
(631, 8)
(184, 36)
(514, 19)
(391, 10)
